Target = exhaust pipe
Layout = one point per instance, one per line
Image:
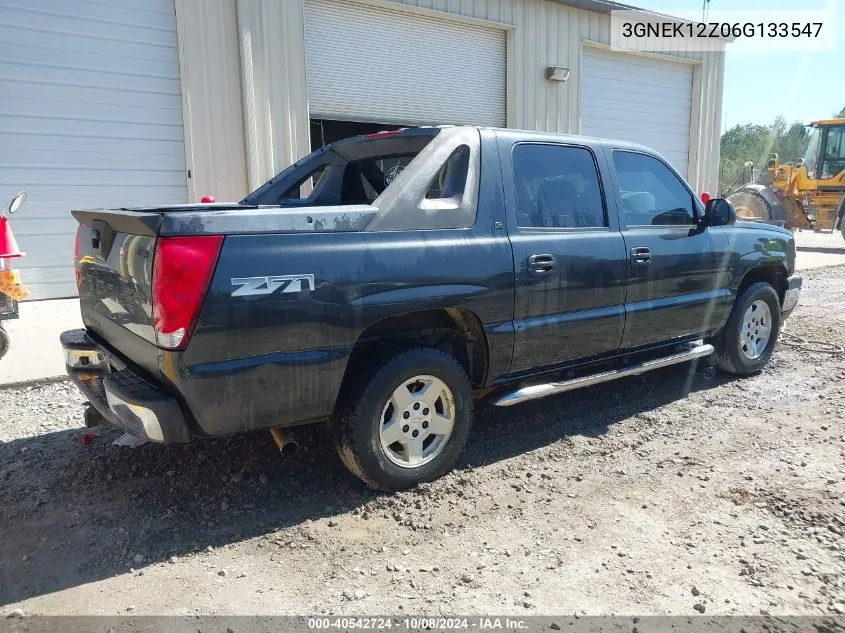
(287, 445)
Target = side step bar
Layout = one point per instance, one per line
(541, 391)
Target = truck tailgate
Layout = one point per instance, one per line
(114, 265)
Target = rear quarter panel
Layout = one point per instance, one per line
(279, 358)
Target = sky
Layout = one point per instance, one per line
(759, 86)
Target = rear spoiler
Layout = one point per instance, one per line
(229, 219)
(122, 221)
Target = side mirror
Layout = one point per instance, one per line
(16, 202)
(719, 212)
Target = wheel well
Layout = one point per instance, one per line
(774, 275)
(454, 330)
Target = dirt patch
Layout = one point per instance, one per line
(678, 492)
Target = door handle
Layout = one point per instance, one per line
(541, 264)
(640, 255)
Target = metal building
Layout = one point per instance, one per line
(130, 102)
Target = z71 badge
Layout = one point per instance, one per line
(268, 285)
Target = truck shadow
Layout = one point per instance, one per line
(74, 513)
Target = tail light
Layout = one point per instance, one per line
(182, 270)
(75, 247)
(385, 133)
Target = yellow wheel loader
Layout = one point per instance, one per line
(803, 195)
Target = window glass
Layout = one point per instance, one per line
(557, 187)
(452, 177)
(834, 153)
(812, 154)
(364, 180)
(393, 166)
(651, 193)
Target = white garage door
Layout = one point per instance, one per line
(640, 100)
(90, 116)
(373, 64)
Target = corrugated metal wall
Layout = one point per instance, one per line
(272, 40)
(551, 34)
(544, 33)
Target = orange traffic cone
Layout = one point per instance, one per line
(8, 245)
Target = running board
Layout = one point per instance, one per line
(541, 391)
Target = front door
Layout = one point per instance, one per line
(678, 272)
(568, 253)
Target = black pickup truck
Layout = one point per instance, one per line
(384, 282)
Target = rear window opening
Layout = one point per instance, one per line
(304, 189)
(349, 172)
(365, 180)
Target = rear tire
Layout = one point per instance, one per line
(406, 421)
(4, 340)
(747, 341)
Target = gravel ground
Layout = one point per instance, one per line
(678, 492)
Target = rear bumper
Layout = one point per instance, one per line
(124, 398)
(790, 297)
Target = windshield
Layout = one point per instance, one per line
(812, 154)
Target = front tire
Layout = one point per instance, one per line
(746, 343)
(407, 421)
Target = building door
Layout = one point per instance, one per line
(634, 98)
(91, 117)
(383, 65)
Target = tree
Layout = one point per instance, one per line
(841, 113)
(756, 143)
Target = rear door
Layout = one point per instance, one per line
(569, 255)
(678, 272)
